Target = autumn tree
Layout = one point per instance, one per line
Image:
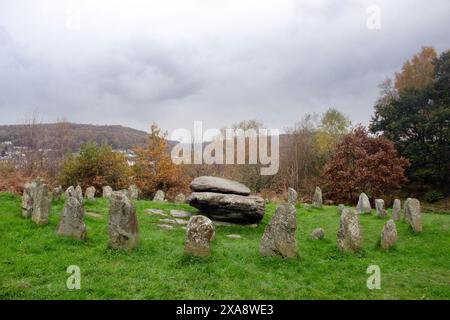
(417, 73)
(362, 163)
(332, 127)
(154, 169)
(96, 166)
(418, 122)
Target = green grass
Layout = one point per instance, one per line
(33, 260)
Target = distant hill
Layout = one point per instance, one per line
(118, 137)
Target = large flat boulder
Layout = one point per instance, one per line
(229, 207)
(219, 185)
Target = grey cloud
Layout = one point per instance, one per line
(193, 66)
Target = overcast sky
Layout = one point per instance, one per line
(173, 62)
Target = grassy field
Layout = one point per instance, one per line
(33, 260)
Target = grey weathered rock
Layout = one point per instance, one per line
(340, 208)
(317, 199)
(155, 212)
(180, 214)
(133, 192)
(159, 196)
(388, 235)
(396, 210)
(79, 194)
(69, 191)
(107, 192)
(381, 211)
(199, 233)
(27, 199)
(307, 206)
(180, 198)
(349, 237)
(90, 193)
(292, 196)
(123, 225)
(363, 204)
(413, 214)
(317, 234)
(229, 207)
(71, 222)
(219, 185)
(279, 236)
(57, 192)
(42, 199)
(165, 226)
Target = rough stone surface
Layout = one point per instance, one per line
(155, 212)
(123, 226)
(279, 236)
(363, 204)
(159, 196)
(27, 199)
(317, 234)
(396, 210)
(165, 226)
(199, 233)
(381, 211)
(79, 194)
(71, 222)
(90, 193)
(229, 207)
(180, 198)
(133, 192)
(107, 192)
(307, 206)
(413, 214)
(219, 185)
(388, 235)
(349, 237)
(317, 199)
(292, 196)
(340, 208)
(233, 236)
(57, 192)
(41, 203)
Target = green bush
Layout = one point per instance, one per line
(433, 196)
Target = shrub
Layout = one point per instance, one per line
(432, 196)
(96, 166)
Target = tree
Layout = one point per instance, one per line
(418, 72)
(362, 163)
(154, 169)
(333, 126)
(417, 121)
(96, 166)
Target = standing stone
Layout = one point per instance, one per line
(159, 196)
(123, 226)
(69, 191)
(279, 236)
(413, 215)
(57, 192)
(292, 196)
(133, 192)
(90, 193)
(340, 208)
(317, 234)
(27, 199)
(41, 204)
(199, 233)
(79, 194)
(396, 210)
(317, 200)
(381, 211)
(363, 204)
(71, 223)
(388, 235)
(107, 192)
(180, 198)
(349, 237)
